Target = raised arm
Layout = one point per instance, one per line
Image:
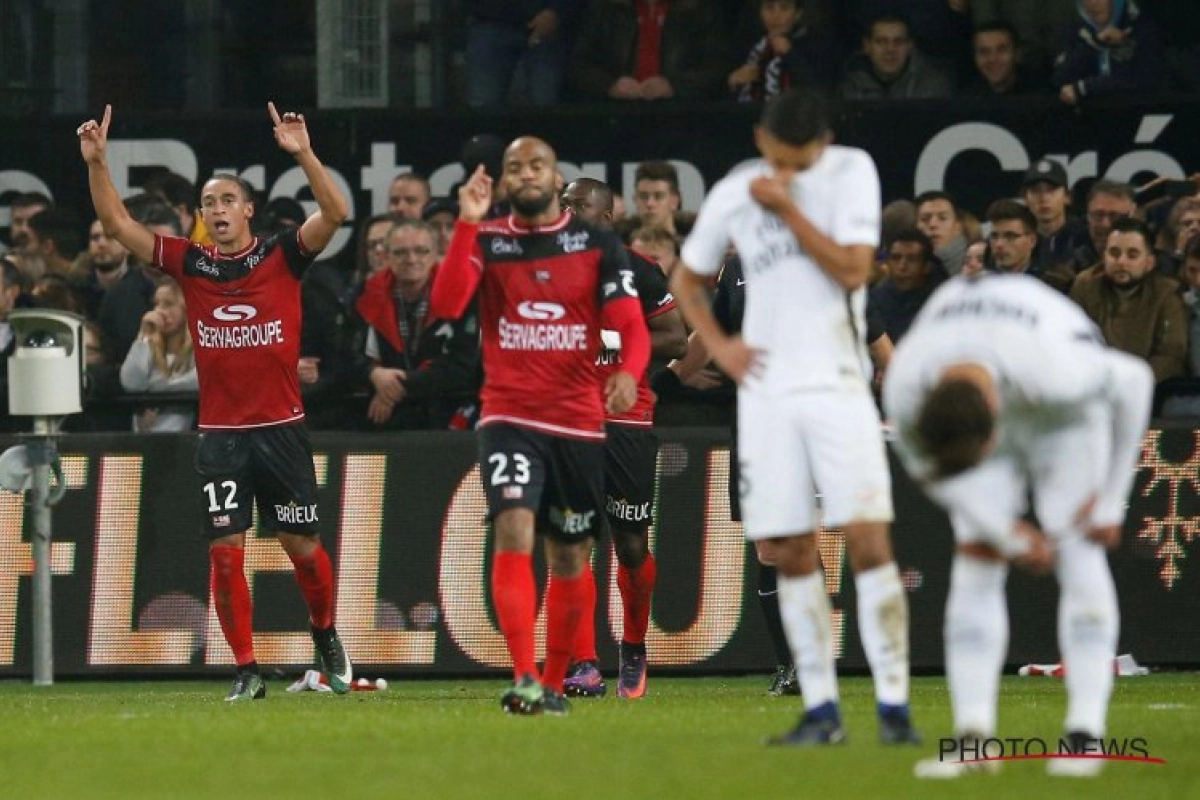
(291, 133)
(110, 210)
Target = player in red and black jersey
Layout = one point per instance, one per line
(243, 298)
(547, 283)
(630, 468)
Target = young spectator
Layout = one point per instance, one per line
(650, 50)
(1013, 238)
(439, 214)
(161, 360)
(913, 273)
(1137, 309)
(54, 239)
(1181, 227)
(938, 217)
(975, 258)
(1045, 192)
(524, 40)
(789, 53)
(657, 244)
(1040, 28)
(1114, 50)
(656, 198)
(890, 67)
(180, 194)
(407, 195)
(998, 68)
(23, 206)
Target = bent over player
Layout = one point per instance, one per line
(243, 300)
(547, 285)
(1002, 388)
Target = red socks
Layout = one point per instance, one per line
(314, 573)
(585, 638)
(231, 595)
(514, 595)
(636, 586)
(566, 603)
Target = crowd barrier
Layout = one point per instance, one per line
(403, 515)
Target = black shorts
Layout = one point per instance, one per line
(272, 467)
(630, 470)
(561, 480)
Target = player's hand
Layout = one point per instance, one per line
(657, 88)
(626, 88)
(475, 196)
(772, 192)
(309, 370)
(389, 383)
(737, 359)
(290, 131)
(380, 410)
(620, 392)
(93, 137)
(1038, 558)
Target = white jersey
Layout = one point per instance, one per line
(811, 330)
(1047, 357)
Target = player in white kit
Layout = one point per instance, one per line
(1004, 389)
(805, 221)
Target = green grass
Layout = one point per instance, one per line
(691, 738)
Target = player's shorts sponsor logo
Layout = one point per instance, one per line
(221, 521)
(626, 511)
(542, 336)
(506, 247)
(238, 312)
(295, 514)
(573, 242)
(234, 337)
(540, 310)
(512, 492)
(569, 521)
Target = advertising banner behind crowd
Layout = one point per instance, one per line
(975, 149)
(403, 516)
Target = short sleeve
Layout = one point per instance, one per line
(858, 208)
(704, 250)
(616, 274)
(170, 253)
(297, 256)
(651, 286)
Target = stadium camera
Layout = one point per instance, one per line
(45, 370)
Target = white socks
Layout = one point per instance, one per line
(976, 635)
(1088, 626)
(806, 613)
(883, 627)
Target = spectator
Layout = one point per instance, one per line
(439, 214)
(1040, 28)
(1013, 238)
(1181, 227)
(890, 67)
(180, 194)
(975, 259)
(12, 283)
(128, 299)
(650, 50)
(421, 369)
(1114, 50)
(1137, 309)
(938, 217)
(407, 195)
(657, 244)
(53, 290)
(940, 30)
(1107, 202)
(106, 263)
(161, 360)
(522, 39)
(102, 383)
(55, 239)
(656, 198)
(1189, 274)
(998, 68)
(1044, 190)
(789, 53)
(23, 206)
(913, 273)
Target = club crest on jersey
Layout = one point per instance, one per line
(506, 247)
(238, 312)
(573, 242)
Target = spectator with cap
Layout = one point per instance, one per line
(439, 214)
(1045, 190)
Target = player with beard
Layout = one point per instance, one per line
(243, 300)
(630, 467)
(547, 283)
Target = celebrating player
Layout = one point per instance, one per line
(548, 283)
(805, 221)
(1000, 389)
(243, 300)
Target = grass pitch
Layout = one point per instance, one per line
(690, 738)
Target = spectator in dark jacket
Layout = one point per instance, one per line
(788, 53)
(1113, 50)
(524, 39)
(890, 66)
(650, 50)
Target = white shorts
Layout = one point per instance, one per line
(796, 446)
(1061, 467)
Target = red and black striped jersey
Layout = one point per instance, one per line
(243, 311)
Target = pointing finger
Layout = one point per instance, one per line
(274, 114)
(106, 119)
